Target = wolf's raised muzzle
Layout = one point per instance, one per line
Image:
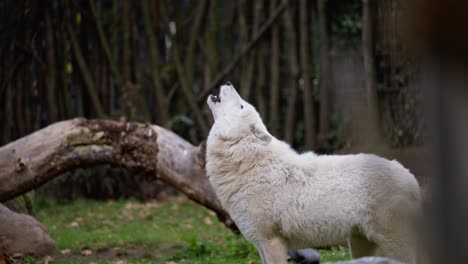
(215, 97)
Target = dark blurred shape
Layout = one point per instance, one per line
(439, 35)
(440, 28)
(305, 256)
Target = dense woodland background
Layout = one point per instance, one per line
(331, 76)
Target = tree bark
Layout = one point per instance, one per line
(31, 161)
(324, 73)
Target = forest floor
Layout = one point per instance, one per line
(129, 231)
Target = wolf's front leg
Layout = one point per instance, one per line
(258, 246)
(274, 251)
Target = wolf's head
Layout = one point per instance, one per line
(235, 118)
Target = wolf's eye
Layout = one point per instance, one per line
(242, 107)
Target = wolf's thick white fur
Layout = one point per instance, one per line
(280, 199)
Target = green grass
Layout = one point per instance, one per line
(176, 231)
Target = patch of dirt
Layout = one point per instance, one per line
(118, 253)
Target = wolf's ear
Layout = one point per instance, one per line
(263, 136)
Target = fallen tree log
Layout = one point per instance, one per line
(31, 161)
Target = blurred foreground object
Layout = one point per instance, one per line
(439, 38)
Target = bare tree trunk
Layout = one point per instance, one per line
(369, 64)
(188, 94)
(126, 41)
(7, 115)
(65, 75)
(293, 64)
(31, 161)
(211, 50)
(306, 78)
(247, 64)
(105, 45)
(194, 36)
(324, 73)
(153, 49)
(20, 106)
(52, 107)
(274, 77)
(86, 74)
(260, 81)
(187, 91)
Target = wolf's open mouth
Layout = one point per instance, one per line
(216, 98)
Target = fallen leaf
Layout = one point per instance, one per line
(65, 251)
(74, 224)
(207, 220)
(187, 225)
(120, 262)
(86, 252)
(170, 262)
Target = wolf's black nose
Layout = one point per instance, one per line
(229, 83)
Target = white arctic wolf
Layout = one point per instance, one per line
(280, 199)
